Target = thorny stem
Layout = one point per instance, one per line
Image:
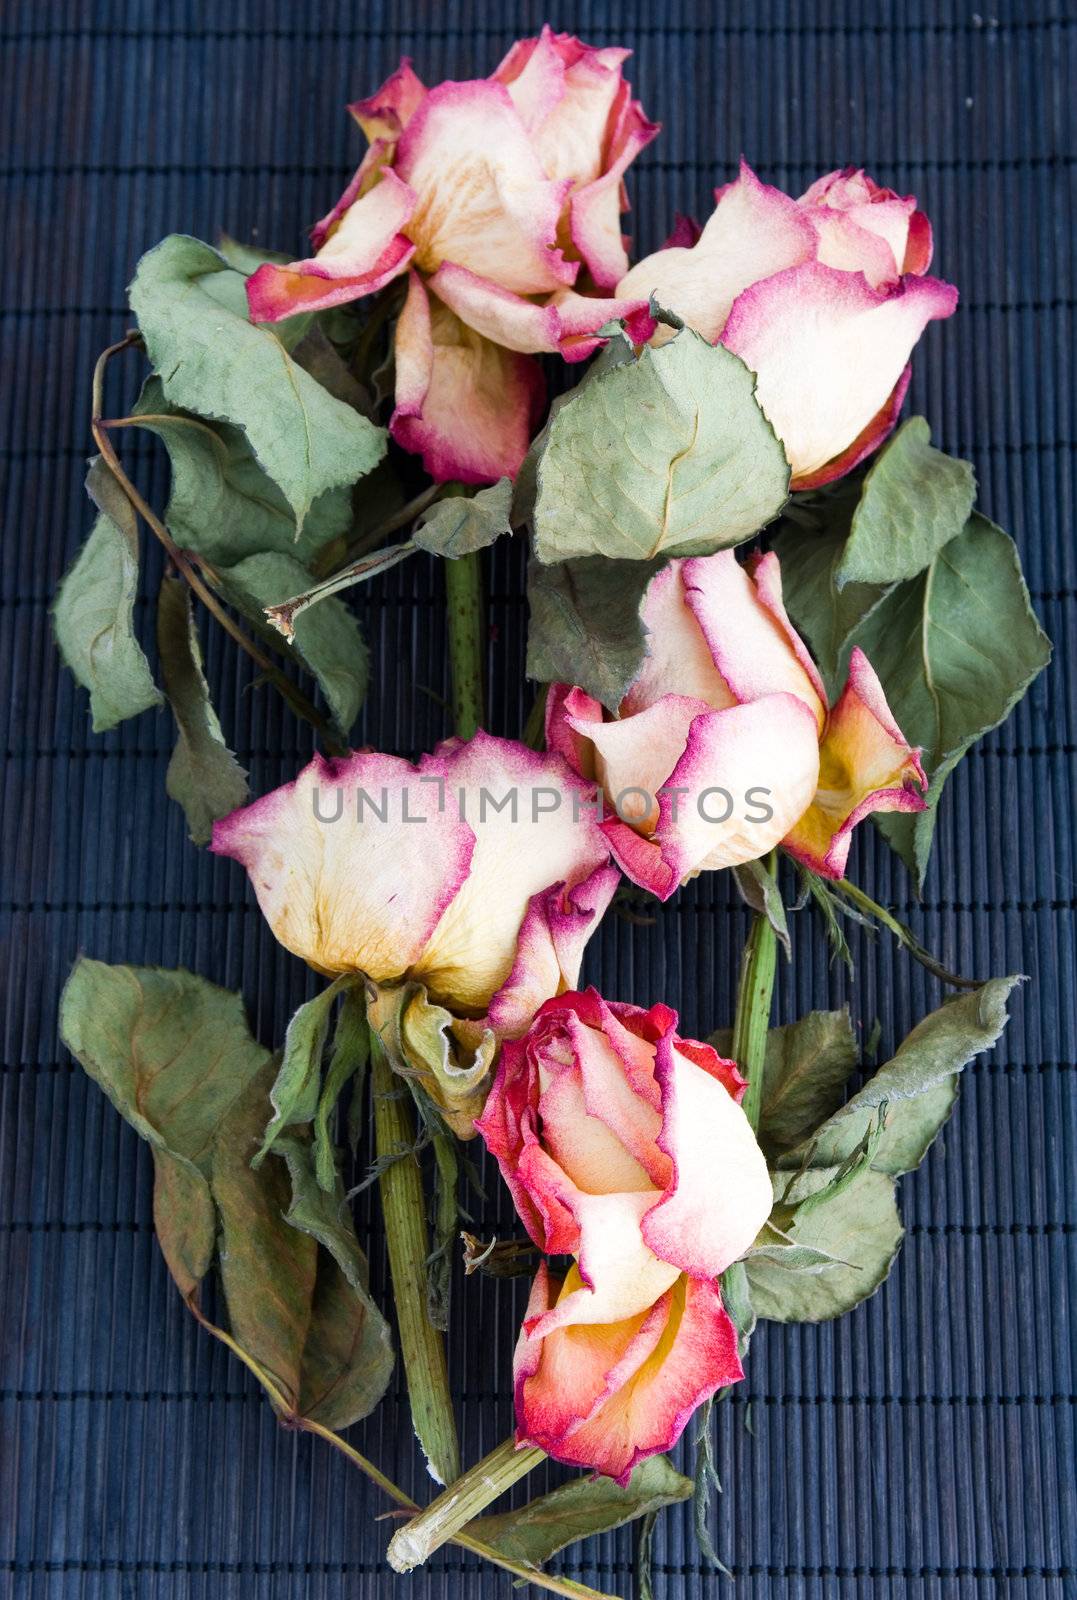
(463, 599)
(755, 990)
(186, 564)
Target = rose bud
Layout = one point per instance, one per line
(463, 917)
(625, 1146)
(724, 745)
(823, 297)
(500, 198)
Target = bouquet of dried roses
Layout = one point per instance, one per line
(700, 707)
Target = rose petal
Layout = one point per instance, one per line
(865, 765)
(521, 850)
(635, 755)
(679, 660)
(496, 313)
(361, 250)
(750, 639)
(753, 232)
(763, 755)
(575, 1130)
(464, 404)
(720, 1195)
(620, 1276)
(386, 113)
(607, 1398)
(828, 351)
(879, 428)
(595, 209)
(484, 201)
(355, 893)
(550, 946)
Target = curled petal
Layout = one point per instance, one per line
(566, 709)
(463, 403)
(484, 201)
(326, 853)
(595, 208)
(550, 947)
(828, 350)
(865, 765)
(753, 232)
(679, 659)
(361, 248)
(386, 113)
(582, 315)
(528, 836)
(606, 1398)
(750, 639)
(746, 775)
(635, 755)
(700, 1224)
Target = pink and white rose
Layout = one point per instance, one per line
(823, 297)
(624, 1146)
(501, 199)
(724, 745)
(470, 915)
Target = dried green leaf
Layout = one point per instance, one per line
(203, 774)
(810, 551)
(858, 1225)
(807, 1065)
(665, 455)
(297, 1087)
(580, 1509)
(955, 648)
(173, 1053)
(348, 1060)
(585, 626)
(216, 363)
(93, 616)
(222, 504)
(758, 888)
(915, 499)
(326, 638)
(460, 524)
(301, 1313)
(918, 1085)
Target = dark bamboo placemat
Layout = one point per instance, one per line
(924, 1446)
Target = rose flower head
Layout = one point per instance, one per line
(501, 199)
(724, 745)
(463, 889)
(823, 298)
(624, 1146)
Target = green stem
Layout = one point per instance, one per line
(283, 615)
(468, 1497)
(421, 1345)
(463, 597)
(904, 935)
(755, 990)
